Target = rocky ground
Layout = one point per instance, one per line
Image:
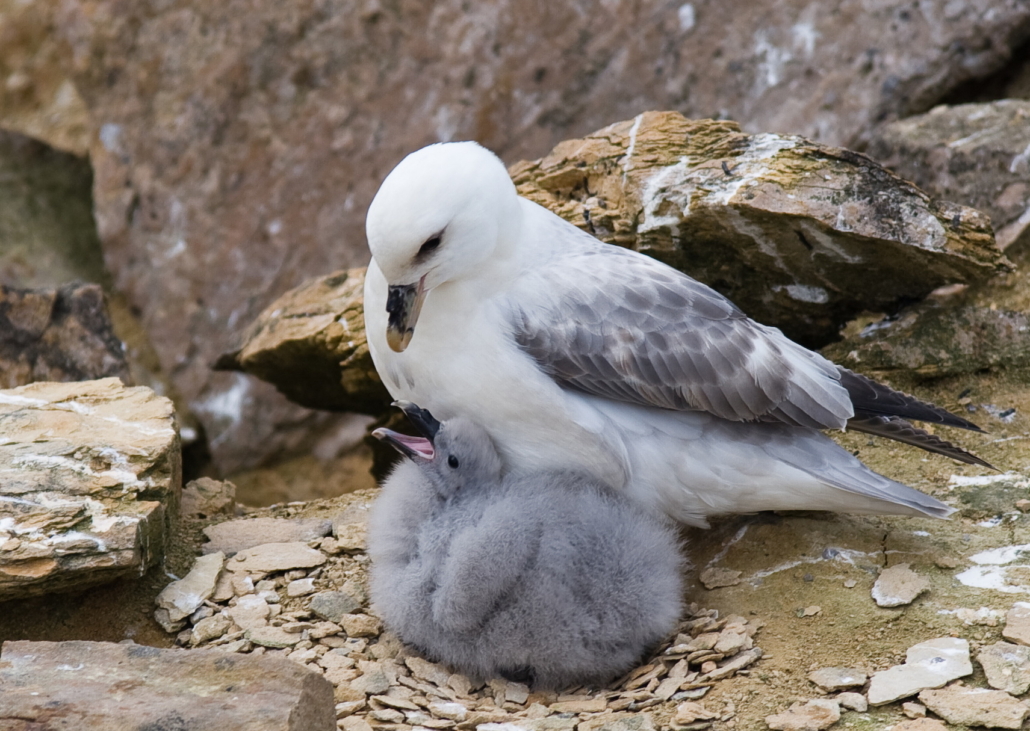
(170, 171)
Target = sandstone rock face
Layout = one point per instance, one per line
(37, 96)
(57, 335)
(241, 164)
(799, 235)
(100, 686)
(975, 154)
(310, 344)
(91, 478)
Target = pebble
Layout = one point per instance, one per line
(816, 714)
(898, 585)
(853, 702)
(250, 612)
(348, 708)
(976, 707)
(1017, 624)
(1023, 505)
(242, 585)
(274, 637)
(334, 605)
(181, 598)
(715, 578)
(361, 625)
(920, 724)
(352, 537)
(271, 557)
(300, 587)
(913, 709)
(210, 628)
(689, 712)
(355, 723)
(587, 705)
(831, 679)
(930, 664)
(1007, 666)
(450, 711)
(430, 672)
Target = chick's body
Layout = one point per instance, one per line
(545, 578)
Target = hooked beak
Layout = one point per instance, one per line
(422, 420)
(412, 447)
(403, 305)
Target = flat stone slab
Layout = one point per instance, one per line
(1006, 666)
(91, 475)
(831, 679)
(976, 707)
(237, 535)
(101, 686)
(930, 664)
(898, 585)
(270, 557)
(181, 598)
(1017, 624)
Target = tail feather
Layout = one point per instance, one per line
(896, 428)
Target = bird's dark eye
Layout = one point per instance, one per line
(431, 245)
(452, 462)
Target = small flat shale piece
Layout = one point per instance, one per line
(91, 478)
(102, 686)
(898, 585)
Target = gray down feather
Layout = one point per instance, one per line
(547, 579)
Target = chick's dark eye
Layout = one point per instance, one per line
(452, 462)
(431, 245)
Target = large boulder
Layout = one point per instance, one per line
(91, 481)
(974, 154)
(799, 235)
(239, 143)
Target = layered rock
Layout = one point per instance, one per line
(91, 480)
(799, 235)
(103, 686)
(240, 163)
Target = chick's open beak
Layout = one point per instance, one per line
(403, 305)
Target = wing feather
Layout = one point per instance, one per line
(613, 323)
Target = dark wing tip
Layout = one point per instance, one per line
(896, 428)
(875, 399)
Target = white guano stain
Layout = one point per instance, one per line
(687, 17)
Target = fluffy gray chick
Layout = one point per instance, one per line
(547, 579)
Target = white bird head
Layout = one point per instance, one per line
(438, 216)
(455, 455)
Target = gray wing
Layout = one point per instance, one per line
(617, 324)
